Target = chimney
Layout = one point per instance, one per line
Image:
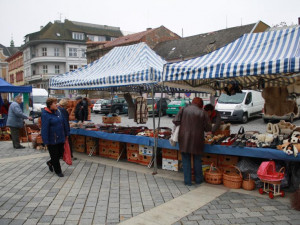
(298, 20)
(41, 27)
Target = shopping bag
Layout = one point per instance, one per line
(67, 153)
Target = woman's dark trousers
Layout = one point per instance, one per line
(56, 152)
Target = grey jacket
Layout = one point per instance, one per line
(15, 116)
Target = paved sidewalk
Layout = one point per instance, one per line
(102, 191)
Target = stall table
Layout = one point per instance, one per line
(265, 153)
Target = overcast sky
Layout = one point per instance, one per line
(21, 17)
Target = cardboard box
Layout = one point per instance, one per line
(208, 159)
(132, 155)
(103, 151)
(170, 154)
(133, 147)
(146, 150)
(114, 153)
(227, 160)
(79, 147)
(93, 148)
(144, 159)
(170, 164)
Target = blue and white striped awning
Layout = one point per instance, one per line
(265, 54)
(129, 65)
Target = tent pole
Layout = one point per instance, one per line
(154, 136)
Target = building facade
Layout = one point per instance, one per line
(60, 47)
(6, 52)
(16, 69)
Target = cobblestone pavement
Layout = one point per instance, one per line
(94, 193)
(90, 193)
(237, 208)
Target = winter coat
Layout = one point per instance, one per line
(193, 122)
(65, 114)
(15, 116)
(53, 127)
(79, 111)
(85, 110)
(215, 119)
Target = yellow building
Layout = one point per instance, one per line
(16, 69)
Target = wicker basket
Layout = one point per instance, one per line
(248, 184)
(213, 175)
(233, 178)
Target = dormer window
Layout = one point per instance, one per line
(78, 36)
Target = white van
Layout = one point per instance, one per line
(241, 106)
(38, 98)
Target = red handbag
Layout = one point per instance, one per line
(67, 153)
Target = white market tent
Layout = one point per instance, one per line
(269, 58)
(122, 66)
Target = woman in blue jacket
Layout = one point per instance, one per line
(54, 133)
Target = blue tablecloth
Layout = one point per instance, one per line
(265, 153)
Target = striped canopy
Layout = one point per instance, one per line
(272, 55)
(129, 65)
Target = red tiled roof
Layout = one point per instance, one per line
(132, 38)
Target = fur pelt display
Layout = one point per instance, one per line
(295, 200)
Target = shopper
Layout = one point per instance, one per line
(214, 116)
(4, 110)
(15, 121)
(193, 121)
(79, 109)
(85, 109)
(54, 133)
(63, 104)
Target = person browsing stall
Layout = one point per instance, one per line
(214, 116)
(15, 121)
(54, 133)
(4, 110)
(193, 121)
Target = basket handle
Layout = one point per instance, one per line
(240, 173)
(212, 166)
(282, 170)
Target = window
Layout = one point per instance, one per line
(248, 98)
(91, 37)
(73, 52)
(11, 78)
(57, 69)
(19, 76)
(44, 51)
(83, 53)
(78, 36)
(56, 52)
(112, 38)
(45, 69)
(73, 67)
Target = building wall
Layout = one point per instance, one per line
(3, 66)
(16, 70)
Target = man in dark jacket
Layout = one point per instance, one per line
(79, 109)
(15, 121)
(193, 121)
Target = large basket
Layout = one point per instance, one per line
(213, 175)
(248, 184)
(233, 178)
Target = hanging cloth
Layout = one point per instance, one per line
(141, 110)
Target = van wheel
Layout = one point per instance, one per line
(291, 118)
(245, 118)
(117, 111)
(170, 115)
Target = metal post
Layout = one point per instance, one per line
(154, 136)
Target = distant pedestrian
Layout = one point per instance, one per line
(4, 111)
(79, 116)
(54, 132)
(193, 121)
(15, 121)
(214, 116)
(85, 104)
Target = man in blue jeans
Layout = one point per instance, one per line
(193, 121)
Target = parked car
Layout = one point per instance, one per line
(97, 106)
(116, 105)
(175, 105)
(241, 106)
(92, 103)
(164, 105)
